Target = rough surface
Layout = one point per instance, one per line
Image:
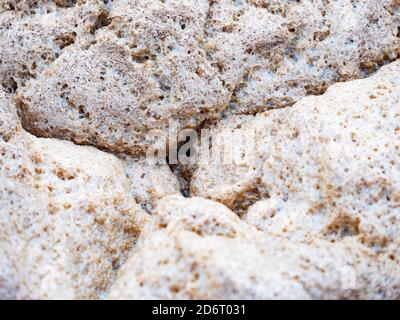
(67, 218)
(150, 181)
(190, 61)
(145, 69)
(327, 166)
(9, 122)
(271, 53)
(35, 38)
(315, 213)
(198, 249)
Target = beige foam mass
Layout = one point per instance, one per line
(272, 53)
(150, 181)
(67, 218)
(33, 39)
(314, 216)
(326, 167)
(145, 69)
(198, 249)
(150, 62)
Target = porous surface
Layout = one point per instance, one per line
(9, 122)
(67, 217)
(33, 39)
(198, 249)
(88, 88)
(152, 62)
(145, 69)
(271, 53)
(326, 167)
(150, 181)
